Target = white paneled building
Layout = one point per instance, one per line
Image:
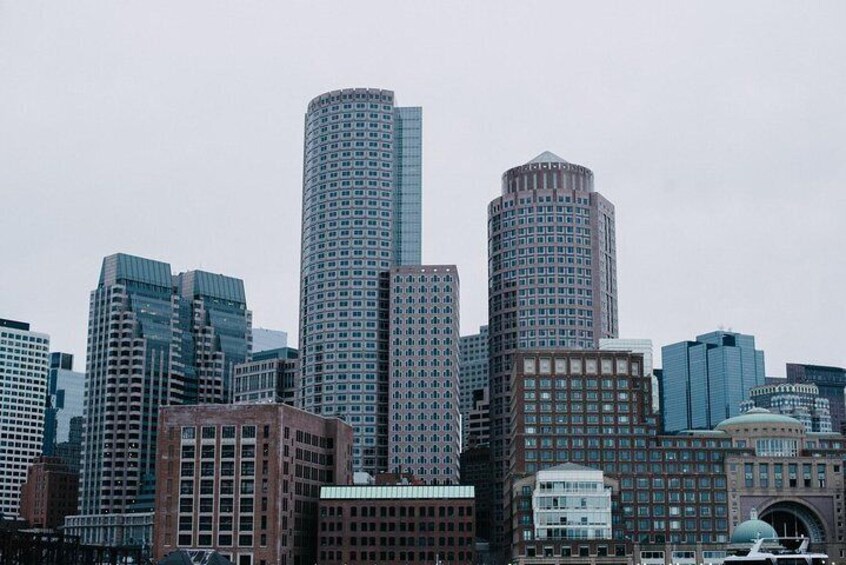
(24, 364)
(571, 502)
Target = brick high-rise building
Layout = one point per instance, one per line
(244, 480)
(552, 278)
(361, 216)
(425, 434)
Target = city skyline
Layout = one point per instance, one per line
(731, 181)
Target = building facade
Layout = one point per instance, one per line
(425, 424)
(271, 376)
(473, 374)
(478, 425)
(703, 382)
(24, 362)
(154, 340)
(831, 382)
(679, 497)
(644, 347)
(396, 524)
(552, 277)
(66, 396)
(562, 503)
(798, 400)
(244, 480)
(361, 216)
(49, 494)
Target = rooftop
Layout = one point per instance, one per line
(370, 492)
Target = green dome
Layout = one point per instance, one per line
(750, 530)
(758, 416)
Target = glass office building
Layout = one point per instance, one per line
(66, 396)
(703, 382)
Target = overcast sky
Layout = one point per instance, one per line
(173, 130)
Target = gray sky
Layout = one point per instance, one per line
(173, 130)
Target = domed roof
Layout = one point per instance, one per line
(751, 530)
(758, 416)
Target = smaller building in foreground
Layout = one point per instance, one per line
(49, 494)
(244, 480)
(564, 503)
(396, 524)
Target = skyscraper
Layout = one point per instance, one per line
(552, 277)
(361, 216)
(424, 416)
(703, 382)
(154, 340)
(24, 361)
(66, 390)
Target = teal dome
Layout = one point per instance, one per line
(759, 416)
(750, 530)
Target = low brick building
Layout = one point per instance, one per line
(49, 494)
(396, 524)
(244, 480)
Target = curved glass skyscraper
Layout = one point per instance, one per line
(552, 276)
(361, 216)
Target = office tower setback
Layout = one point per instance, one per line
(552, 276)
(271, 376)
(66, 390)
(245, 479)
(216, 333)
(703, 382)
(424, 417)
(831, 382)
(478, 423)
(154, 340)
(24, 362)
(361, 216)
(473, 376)
(797, 400)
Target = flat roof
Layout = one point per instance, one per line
(364, 492)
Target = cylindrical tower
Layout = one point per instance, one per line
(551, 276)
(358, 182)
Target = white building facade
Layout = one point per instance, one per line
(24, 365)
(571, 502)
